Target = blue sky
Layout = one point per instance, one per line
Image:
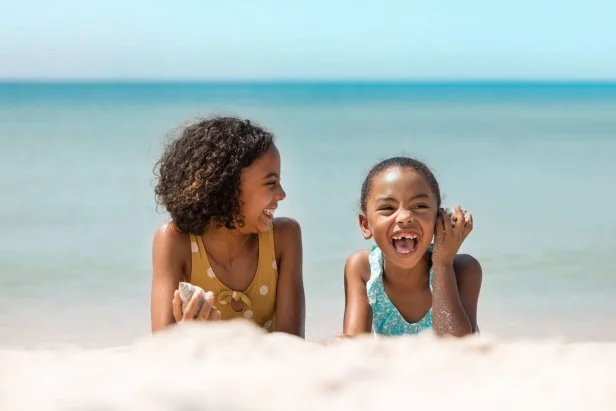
(275, 39)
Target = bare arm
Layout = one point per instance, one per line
(290, 298)
(357, 311)
(469, 276)
(169, 251)
(448, 315)
(454, 299)
(456, 292)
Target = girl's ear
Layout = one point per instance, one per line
(364, 225)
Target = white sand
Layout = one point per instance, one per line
(233, 366)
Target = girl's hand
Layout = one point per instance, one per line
(198, 308)
(449, 235)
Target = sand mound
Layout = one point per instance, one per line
(234, 366)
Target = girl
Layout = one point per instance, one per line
(405, 284)
(220, 182)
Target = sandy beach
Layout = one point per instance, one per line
(77, 239)
(234, 366)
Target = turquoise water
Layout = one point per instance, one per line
(533, 162)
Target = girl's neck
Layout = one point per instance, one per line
(224, 245)
(414, 277)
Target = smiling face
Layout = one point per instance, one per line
(260, 192)
(400, 214)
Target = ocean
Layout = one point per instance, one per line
(533, 162)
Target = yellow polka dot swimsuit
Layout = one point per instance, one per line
(258, 301)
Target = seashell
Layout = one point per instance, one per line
(454, 219)
(186, 292)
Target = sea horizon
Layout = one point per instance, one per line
(304, 91)
(308, 80)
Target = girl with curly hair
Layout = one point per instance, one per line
(220, 183)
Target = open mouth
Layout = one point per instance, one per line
(269, 212)
(404, 243)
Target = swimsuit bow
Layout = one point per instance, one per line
(226, 296)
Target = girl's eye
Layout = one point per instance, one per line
(271, 183)
(385, 208)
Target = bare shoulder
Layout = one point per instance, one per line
(357, 265)
(171, 251)
(286, 226)
(468, 274)
(168, 235)
(287, 233)
(467, 268)
(357, 310)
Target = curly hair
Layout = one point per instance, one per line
(400, 162)
(199, 172)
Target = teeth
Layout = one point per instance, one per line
(404, 235)
(269, 211)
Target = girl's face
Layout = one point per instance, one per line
(260, 192)
(401, 211)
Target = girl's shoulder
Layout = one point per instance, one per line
(171, 251)
(465, 266)
(286, 229)
(468, 277)
(169, 236)
(357, 265)
(286, 226)
(287, 234)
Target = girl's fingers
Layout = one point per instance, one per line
(207, 306)
(190, 313)
(447, 222)
(439, 230)
(468, 227)
(214, 315)
(460, 221)
(177, 306)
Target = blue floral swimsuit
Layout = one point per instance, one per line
(386, 319)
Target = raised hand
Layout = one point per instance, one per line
(450, 233)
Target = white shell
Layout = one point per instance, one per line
(450, 212)
(186, 292)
